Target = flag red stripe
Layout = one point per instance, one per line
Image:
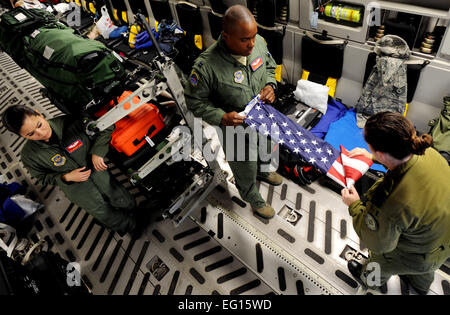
(352, 173)
(355, 167)
(335, 174)
(340, 182)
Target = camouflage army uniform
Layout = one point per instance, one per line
(404, 219)
(386, 87)
(220, 84)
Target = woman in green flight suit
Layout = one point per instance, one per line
(404, 218)
(58, 152)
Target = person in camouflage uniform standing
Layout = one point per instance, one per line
(223, 80)
(58, 152)
(386, 87)
(404, 218)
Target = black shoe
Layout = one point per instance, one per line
(420, 292)
(406, 280)
(355, 269)
(142, 220)
(137, 232)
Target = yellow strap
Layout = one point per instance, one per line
(305, 75)
(331, 83)
(198, 41)
(278, 71)
(92, 7)
(115, 15)
(406, 109)
(124, 16)
(78, 2)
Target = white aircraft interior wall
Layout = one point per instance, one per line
(434, 82)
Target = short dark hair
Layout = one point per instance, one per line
(235, 15)
(393, 133)
(14, 117)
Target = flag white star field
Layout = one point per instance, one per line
(315, 151)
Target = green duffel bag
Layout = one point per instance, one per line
(19, 22)
(77, 72)
(440, 130)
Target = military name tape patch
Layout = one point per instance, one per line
(58, 160)
(258, 62)
(238, 77)
(74, 146)
(194, 79)
(371, 222)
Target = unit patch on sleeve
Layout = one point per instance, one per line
(74, 146)
(238, 77)
(58, 160)
(371, 223)
(258, 62)
(193, 78)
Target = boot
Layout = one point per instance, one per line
(265, 211)
(406, 280)
(271, 178)
(355, 269)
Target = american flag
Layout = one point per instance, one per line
(346, 171)
(299, 141)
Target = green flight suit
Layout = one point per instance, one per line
(404, 219)
(219, 84)
(101, 195)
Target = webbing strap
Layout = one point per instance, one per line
(9, 230)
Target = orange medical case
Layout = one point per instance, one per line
(137, 128)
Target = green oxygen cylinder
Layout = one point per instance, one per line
(343, 12)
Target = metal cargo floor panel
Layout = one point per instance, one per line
(222, 249)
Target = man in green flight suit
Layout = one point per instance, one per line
(58, 152)
(226, 77)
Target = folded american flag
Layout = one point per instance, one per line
(346, 170)
(315, 151)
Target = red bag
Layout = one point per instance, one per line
(132, 130)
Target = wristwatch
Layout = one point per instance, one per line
(273, 85)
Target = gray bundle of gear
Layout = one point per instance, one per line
(386, 88)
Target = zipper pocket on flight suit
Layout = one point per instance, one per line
(436, 256)
(434, 251)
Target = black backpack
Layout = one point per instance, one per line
(15, 279)
(45, 274)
